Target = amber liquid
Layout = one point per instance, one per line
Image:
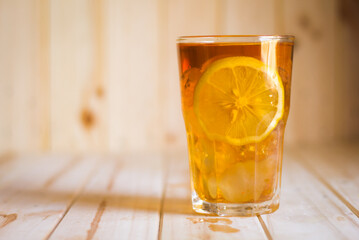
(221, 172)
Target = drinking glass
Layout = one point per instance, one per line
(235, 93)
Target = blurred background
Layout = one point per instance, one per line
(101, 75)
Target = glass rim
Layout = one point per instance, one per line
(234, 38)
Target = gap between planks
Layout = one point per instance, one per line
(74, 199)
(102, 206)
(264, 227)
(312, 171)
(165, 168)
(94, 224)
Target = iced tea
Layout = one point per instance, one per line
(235, 93)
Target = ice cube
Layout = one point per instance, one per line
(245, 181)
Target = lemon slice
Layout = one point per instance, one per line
(239, 100)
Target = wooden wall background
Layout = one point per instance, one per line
(92, 75)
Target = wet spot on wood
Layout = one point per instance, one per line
(87, 119)
(222, 228)
(5, 219)
(210, 220)
(100, 92)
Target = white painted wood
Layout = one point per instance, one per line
(106, 197)
(36, 201)
(308, 209)
(12, 166)
(336, 165)
(139, 198)
(122, 201)
(78, 220)
(180, 222)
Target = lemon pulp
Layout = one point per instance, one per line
(239, 100)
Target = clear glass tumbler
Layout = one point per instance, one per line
(235, 93)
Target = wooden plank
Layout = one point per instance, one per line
(179, 18)
(7, 160)
(180, 222)
(24, 76)
(122, 201)
(337, 167)
(131, 49)
(346, 29)
(43, 72)
(100, 62)
(313, 93)
(6, 86)
(308, 209)
(243, 17)
(77, 80)
(14, 165)
(35, 202)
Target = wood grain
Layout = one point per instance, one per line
(339, 177)
(101, 76)
(111, 213)
(24, 79)
(17, 165)
(250, 17)
(7, 218)
(183, 18)
(43, 72)
(305, 200)
(133, 71)
(94, 225)
(39, 209)
(313, 94)
(147, 196)
(62, 171)
(78, 88)
(346, 62)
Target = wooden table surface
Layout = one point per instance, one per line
(147, 196)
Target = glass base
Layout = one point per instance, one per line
(234, 209)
